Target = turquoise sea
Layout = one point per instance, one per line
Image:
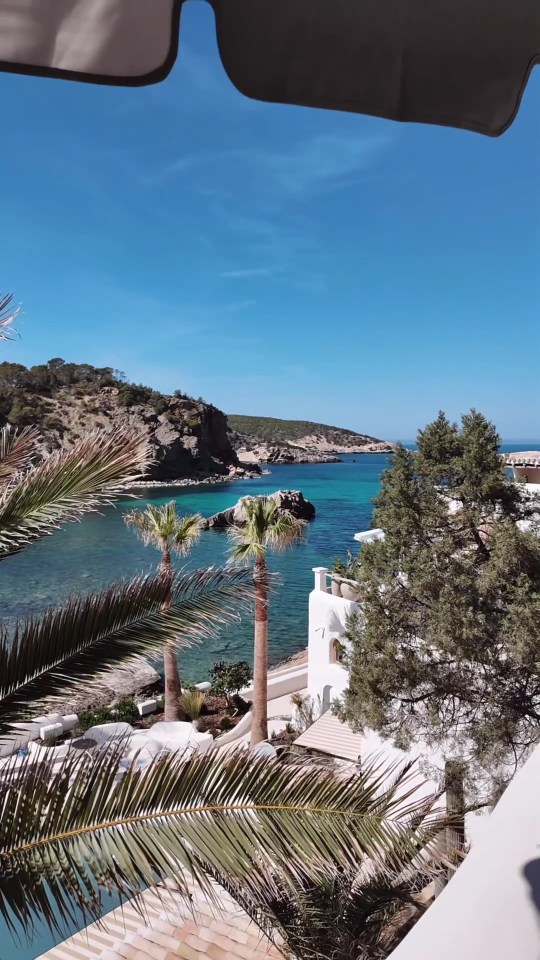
(100, 549)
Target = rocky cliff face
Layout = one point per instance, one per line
(252, 451)
(268, 440)
(190, 438)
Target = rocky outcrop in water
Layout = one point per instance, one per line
(289, 501)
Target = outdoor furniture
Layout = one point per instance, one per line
(177, 736)
(104, 732)
(84, 743)
(51, 731)
(264, 750)
(142, 747)
(242, 728)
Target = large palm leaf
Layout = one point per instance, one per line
(52, 655)
(67, 484)
(17, 448)
(212, 817)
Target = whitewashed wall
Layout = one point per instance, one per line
(327, 619)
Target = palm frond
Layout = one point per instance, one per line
(161, 527)
(187, 532)
(266, 528)
(84, 829)
(338, 915)
(244, 549)
(68, 484)
(8, 314)
(17, 448)
(47, 657)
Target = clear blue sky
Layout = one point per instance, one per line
(277, 260)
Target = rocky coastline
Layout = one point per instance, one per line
(257, 454)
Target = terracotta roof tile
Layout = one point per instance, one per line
(173, 929)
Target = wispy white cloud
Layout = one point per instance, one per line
(326, 162)
(237, 307)
(252, 273)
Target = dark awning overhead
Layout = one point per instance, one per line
(460, 63)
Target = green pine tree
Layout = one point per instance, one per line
(447, 646)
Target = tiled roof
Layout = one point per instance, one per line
(330, 735)
(171, 930)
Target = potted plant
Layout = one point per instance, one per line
(345, 578)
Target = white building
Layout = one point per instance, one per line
(330, 603)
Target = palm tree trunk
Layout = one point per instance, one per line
(259, 725)
(171, 673)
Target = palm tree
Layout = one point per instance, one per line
(341, 912)
(266, 528)
(83, 828)
(162, 528)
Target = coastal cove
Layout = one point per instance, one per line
(99, 550)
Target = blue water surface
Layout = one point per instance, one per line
(100, 549)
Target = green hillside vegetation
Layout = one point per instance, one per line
(25, 392)
(273, 430)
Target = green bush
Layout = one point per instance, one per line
(229, 678)
(125, 711)
(350, 569)
(91, 718)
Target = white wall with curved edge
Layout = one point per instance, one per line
(490, 910)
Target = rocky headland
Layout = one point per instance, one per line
(259, 440)
(190, 438)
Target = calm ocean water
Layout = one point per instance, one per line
(88, 555)
(100, 549)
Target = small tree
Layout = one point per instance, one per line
(229, 678)
(447, 644)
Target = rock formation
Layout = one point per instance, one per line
(190, 438)
(290, 501)
(268, 440)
